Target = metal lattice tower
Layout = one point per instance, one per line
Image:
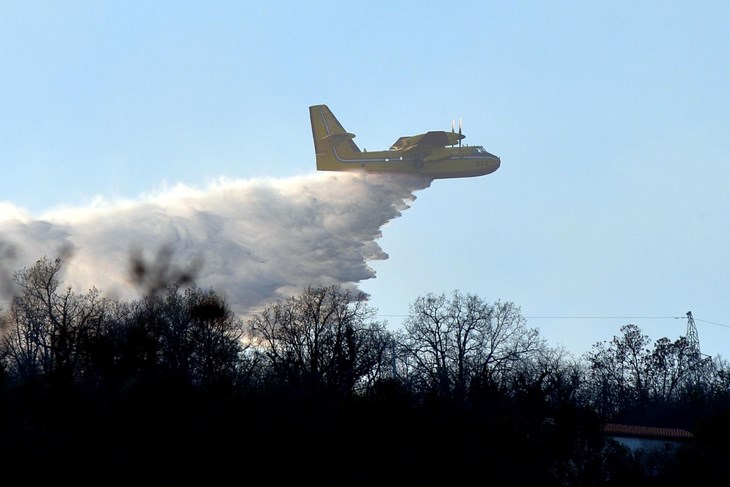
(692, 337)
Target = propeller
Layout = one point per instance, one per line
(453, 128)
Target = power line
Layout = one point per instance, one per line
(605, 317)
(592, 318)
(623, 318)
(559, 317)
(583, 317)
(712, 323)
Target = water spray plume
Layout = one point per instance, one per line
(252, 241)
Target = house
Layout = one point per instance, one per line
(646, 437)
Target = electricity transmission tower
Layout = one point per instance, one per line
(697, 365)
(692, 337)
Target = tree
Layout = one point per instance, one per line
(190, 335)
(617, 372)
(46, 322)
(670, 366)
(454, 342)
(629, 378)
(322, 338)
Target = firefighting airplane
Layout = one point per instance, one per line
(434, 154)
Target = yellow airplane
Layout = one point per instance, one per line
(434, 154)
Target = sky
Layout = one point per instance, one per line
(136, 125)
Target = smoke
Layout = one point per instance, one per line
(252, 241)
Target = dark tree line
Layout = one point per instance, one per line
(315, 387)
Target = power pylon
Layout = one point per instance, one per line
(692, 338)
(697, 365)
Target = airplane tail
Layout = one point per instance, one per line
(332, 143)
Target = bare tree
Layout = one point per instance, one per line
(627, 375)
(453, 342)
(192, 334)
(554, 372)
(323, 337)
(670, 367)
(46, 321)
(617, 371)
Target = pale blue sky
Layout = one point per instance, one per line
(612, 120)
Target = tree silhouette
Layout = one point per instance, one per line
(314, 383)
(322, 338)
(46, 323)
(454, 342)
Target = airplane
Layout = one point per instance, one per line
(434, 154)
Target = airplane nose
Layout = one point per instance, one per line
(490, 164)
(496, 163)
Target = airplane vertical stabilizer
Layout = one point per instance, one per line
(332, 142)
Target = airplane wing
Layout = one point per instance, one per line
(438, 138)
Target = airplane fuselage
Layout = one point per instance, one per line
(447, 162)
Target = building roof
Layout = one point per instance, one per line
(633, 431)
